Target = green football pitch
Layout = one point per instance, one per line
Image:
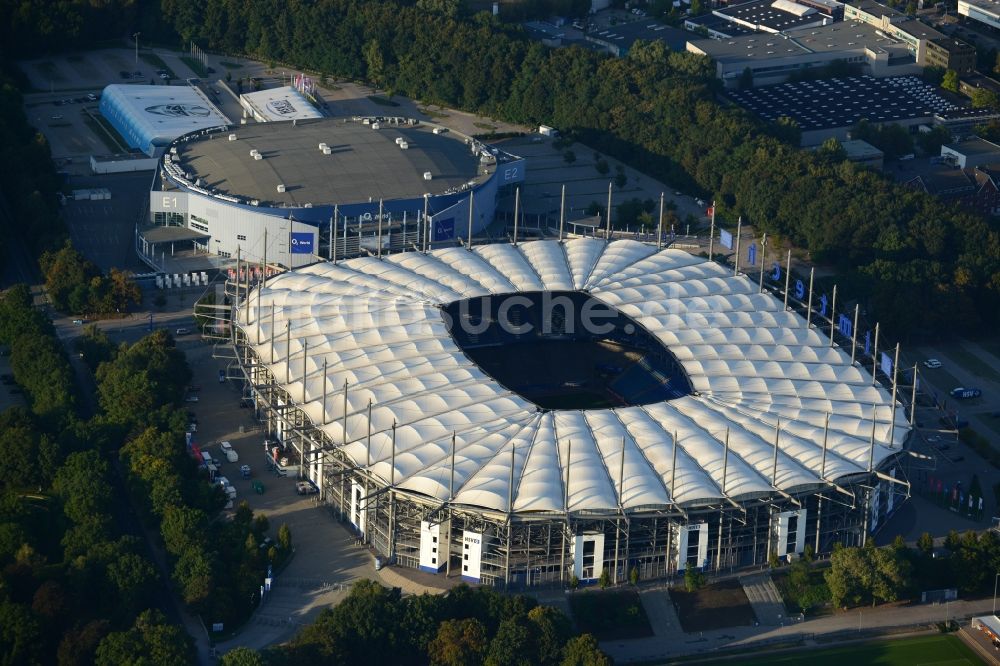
(922, 651)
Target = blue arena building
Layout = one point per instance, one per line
(150, 118)
(326, 187)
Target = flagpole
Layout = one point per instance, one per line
(809, 307)
(711, 234)
(659, 229)
(562, 212)
(788, 277)
(378, 248)
(609, 212)
(763, 262)
(739, 231)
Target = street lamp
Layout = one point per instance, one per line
(135, 36)
(995, 581)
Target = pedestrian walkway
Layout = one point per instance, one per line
(855, 623)
(765, 599)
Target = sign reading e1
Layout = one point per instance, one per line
(302, 242)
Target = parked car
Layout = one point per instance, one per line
(182, 331)
(227, 450)
(306, 488)
(164, 76)
(79, 322)
(191, 398)
(192, 427)
(932, 363)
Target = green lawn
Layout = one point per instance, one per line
(610, 615)
(923, 651)
(195, 65)
(382, 101)
(157, 62)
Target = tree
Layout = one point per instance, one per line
(81, 483)
(242, 656)
(694, 580)
(983, 98)
(285, 537)
(20, 635)
(79, 645)
(633, 575)
(848, 577)
(150, 640)
(584, 651)
(550, 629)
(569, 157)
(832, 150)
(511, 646)
(950, 81)
(925, 544)
(605, 579)
(746, 79)
(458, 643)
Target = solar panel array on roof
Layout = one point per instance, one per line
(841, 102)
(763, 13)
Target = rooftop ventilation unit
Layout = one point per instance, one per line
(281, 188)
(404, 145)
(399, 140)
(327, 151)
(258, 156)
(428, 175)
(323, 146)
(232, 137)
(375, 126)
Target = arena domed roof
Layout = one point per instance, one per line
(758, 375)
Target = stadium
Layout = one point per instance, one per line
(315, 188)
(525, 413)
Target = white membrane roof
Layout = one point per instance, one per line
(759, 376)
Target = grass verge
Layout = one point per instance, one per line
(382, 101)
(430, 113)
(716, 606)
(230, 65)
(106, 133)
(610, 615)
(941, 650)
(157, 62)
(195, 66)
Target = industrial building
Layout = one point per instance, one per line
(830, 107)
(733, 429)
(986, 12)
(774, 58)
(291, 192)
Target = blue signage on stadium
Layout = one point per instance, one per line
(302, 242)
(444, 229)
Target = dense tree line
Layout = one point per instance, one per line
(466, 627)
(659, 111)
(77, 286)
(73, 582)
(28, 205)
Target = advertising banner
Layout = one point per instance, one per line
(302, 242)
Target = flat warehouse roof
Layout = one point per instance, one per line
(363, 162)
(841, 102)
(281, 104)
(764, 13)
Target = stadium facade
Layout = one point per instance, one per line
(312, 189)
(770, 437)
